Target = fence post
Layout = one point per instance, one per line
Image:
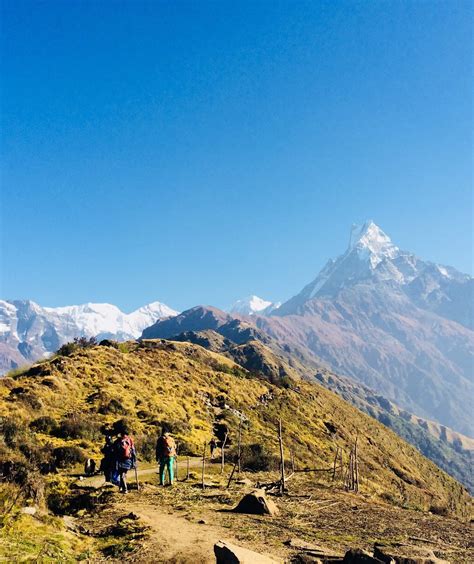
(282, 458)
(203, 464)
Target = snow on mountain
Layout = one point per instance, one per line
(32, 331)
(399, 324)
(371, 257)
(252, 305)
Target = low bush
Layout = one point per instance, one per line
(76, 426)
(256, 458)
(79, 343)
(68, 456)
(44, 424)
(113, 406)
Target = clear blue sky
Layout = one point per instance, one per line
(197, 152)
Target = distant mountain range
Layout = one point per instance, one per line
(29, 332)
(400, 325)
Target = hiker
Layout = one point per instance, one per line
(124, 456)
(107, 464)
(165, 456)
(212, 446)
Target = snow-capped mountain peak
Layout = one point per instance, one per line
(31, 331)
(252, 305)
(371, 243)
(371, 258)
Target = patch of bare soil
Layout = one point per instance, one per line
(184, 523)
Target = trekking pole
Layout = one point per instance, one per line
(136, 477)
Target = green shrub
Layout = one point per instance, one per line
(79, 343)
(256, 458)
(112, 406)
(44, 424)
(67, 456)
(13, 431)
(76, 426)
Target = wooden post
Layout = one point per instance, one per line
(335, 463)
(292, 462)
(239, 447)
(223, 453)
(341, 459)
(187, 468)
(232, 474)
(203, 464)
(176, 462)
(282, 458)
(356, 467)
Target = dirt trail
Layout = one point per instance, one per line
(98, 480)
(176, 535)
(174, 538)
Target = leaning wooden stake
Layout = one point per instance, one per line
(341, 467)
(232, 473)
(223, 453)
(335, 464)
(239, 446)
(282, 459)
(203, 464)
(187, 468)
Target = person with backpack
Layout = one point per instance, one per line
(212, 446)
(107, 464)
(125, 457)
(165, 456)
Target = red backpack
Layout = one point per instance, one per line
(125, 448)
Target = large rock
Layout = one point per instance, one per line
(228, 553)
(406, 555)
(359, 556)
(257, 503)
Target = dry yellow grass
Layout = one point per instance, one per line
(188, 386)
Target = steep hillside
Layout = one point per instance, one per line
(255, 350)
(65, 401)
(401, 325)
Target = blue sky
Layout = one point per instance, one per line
(197, 152)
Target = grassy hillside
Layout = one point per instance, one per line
(451, 451)
(64, 403)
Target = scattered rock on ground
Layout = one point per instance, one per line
(244, 482)
(257, 503)
(406, 555)
(313, 553)
(359, 556)
(228, 553)
(29, 510)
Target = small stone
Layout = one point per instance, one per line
(244, 482)
(29, 510)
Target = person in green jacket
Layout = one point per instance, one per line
(165, 456)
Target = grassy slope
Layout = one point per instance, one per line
(449, 450)
(179, 382)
